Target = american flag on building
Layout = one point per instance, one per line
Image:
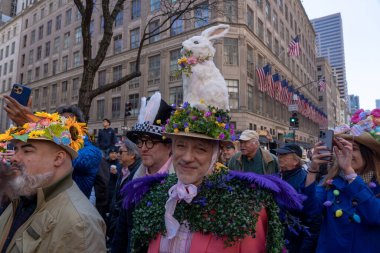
(262, 74)
(294, 47)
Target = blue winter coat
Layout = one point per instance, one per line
(86, 166)
(358, 229)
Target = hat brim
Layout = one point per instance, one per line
(72, 152)
(191, 135)
(364, 139)
(135, 135)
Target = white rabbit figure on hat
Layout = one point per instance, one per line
(205, 82)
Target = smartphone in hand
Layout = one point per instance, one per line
(326, 137)
(21, 93)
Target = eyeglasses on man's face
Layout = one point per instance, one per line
(122, 151)
(149, 143)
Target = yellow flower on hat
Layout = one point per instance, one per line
(182, 60)
(5, 136)
(176, 131)
(202, 101)
(36, 133)
(81, 127)
(52, 117)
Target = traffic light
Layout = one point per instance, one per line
(128, 108)
(294, 121)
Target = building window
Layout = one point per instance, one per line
(66, 40)
(267, 10)
(11, 66)
(231, 55)
(57, 45)
(250, 19)
(135, 38)
(37, 73)
(53, 94)
(233, 93)
(65, 63)
(36, 99)
(31, 54)
(58, 20)
(201, 15)
(28, 76)
(39, 53)
(49, 27)
(100, 109)
(22, 61)
(276, 47)
(7, 51)
(76, 62)
(68, 17)
(260, 29)
(250, 65)
(135, 82)
(154, 5)
(260, 3)
(40, 32)
(134, 100)
(176, 95)
(136, 8)
(102, 78)
(155, 31)
(64, 92)
(174, 56)
(117, 44)
(55, 67)
(44, 96)
(282, 30)
(230, 10)
(78, 35)
(13, 48)
(269, 39)
(46, 69)
(154, 70)
(75, 93)
(177, 27)
(5, 68)
(47, 49)
(116, 101)
(250, 98)
(275, 21)
(119, 19)
(117, 73)
(32, 37)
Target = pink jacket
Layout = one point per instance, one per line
(208, 243)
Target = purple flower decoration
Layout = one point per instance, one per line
(201, 201)
(208, 114)
(208, 184)
(227, 126)
(148, 204)
(162, 181)
(163, 128)
(185, 124)
(185, 105)
(219, 119)
(222, 136)
(174, 106)
(194, 117)
(182, 65)
(233, 137)
(167, 121)
(175, 125)
(327, 203)
(372, 185)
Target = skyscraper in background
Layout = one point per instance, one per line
(354, 103)
(330, 44)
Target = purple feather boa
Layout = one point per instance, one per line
(135, 190)
(284, 194)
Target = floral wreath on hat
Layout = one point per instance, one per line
(187, 61)
(362, 121)
(213, 123)
(53, 127)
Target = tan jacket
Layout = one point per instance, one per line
(64, 221)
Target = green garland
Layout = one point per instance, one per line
(224, 207)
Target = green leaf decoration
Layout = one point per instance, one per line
(23, 137)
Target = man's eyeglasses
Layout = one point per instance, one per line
(122, 151)
(148, 143)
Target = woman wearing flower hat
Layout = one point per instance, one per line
(349, 195)
(204, 207)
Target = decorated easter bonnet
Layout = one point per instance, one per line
(364, 129)
(65, 132)
(205, 112)
(154, 112)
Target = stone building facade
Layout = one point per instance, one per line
(50, 60)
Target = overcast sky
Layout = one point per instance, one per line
(361, 32)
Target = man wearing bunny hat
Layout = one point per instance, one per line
(204, 207)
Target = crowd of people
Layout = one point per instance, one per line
(184, 181)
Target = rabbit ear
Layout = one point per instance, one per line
(215, 32)
(141, 117)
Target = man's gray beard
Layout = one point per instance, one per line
(26, 184)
